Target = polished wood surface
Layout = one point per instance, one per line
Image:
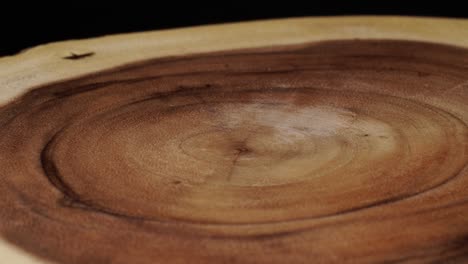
(318, 151)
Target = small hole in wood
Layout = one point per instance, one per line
(77, 56)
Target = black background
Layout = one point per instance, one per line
(22, 28)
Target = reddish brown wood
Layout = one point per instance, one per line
(329, 152)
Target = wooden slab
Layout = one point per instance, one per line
(312, 140)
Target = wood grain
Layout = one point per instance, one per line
(330, 151)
